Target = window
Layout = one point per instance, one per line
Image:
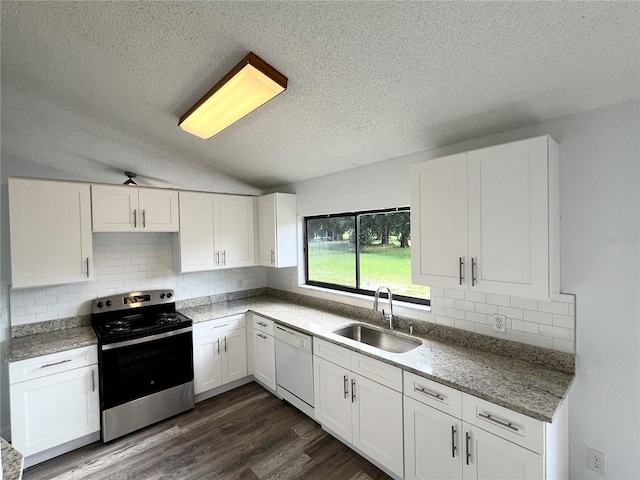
(358, 252)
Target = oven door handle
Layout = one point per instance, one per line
(150, 338)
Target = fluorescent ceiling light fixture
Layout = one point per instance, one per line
(250, 84)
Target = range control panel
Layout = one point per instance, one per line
(132, 300)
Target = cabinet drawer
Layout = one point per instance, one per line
(214, 326)
(434, 394)
(263, 324)
(515, 427)
(54, 363)
(332, 352)
(378, 371)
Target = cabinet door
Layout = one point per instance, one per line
(494, 458)
(50, 229)
(377, 422)
(196, 238)
(508, 218)
(233, 345)
(236, 231)
(432, 443)
(207, 363)
(332, 397)
(439, 222)
(115, 208)
(55, 409)
(264, 358)
(267, 227)
(158, 210)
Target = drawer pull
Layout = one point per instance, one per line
(57, 363)
(93, 380)
(262, 336)
(499, 422)
(426, 392)
(220, 326)
(262, 324)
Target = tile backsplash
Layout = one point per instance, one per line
(546, 324)
(126, 262)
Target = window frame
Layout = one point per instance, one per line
(343, 288)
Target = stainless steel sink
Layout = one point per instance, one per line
(377, 338)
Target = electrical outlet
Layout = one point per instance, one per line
(596, 461)
(500, 323)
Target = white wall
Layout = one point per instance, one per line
(600, 263)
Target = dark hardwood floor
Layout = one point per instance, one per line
(246, 433)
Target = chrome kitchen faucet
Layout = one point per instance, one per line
(385, 316)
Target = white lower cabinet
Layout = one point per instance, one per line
(362, 412)
(54, 399)
(264, 352)
(219, 352)
(489, 442)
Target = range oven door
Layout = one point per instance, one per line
(136, 368)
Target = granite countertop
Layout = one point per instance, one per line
(515, 384)
(40, 344)
(12, 461)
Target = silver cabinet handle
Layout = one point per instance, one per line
(57, 363)
(273, 256)
(353, 390)
(135, 218)
(473, 272)
(346, 386)
(262, 324)
(224, 257)
(499, 422)
(87, 267)
(262, 336)
(460, 265)
(453, 441)
(144, 218)
(218, 347)
(467, 440)
(218, 257)
(220, 326)
(225, 343)
(426, 392)
(93, 380)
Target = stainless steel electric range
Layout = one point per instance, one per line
(145, 357)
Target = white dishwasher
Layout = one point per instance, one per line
(294, 368)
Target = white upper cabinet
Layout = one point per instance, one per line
(488, 220)
(216, 231)
(439, 221)
(237, 245)
(50, 229)
(118, 208)
(277, 227)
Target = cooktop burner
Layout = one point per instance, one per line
(135, 315)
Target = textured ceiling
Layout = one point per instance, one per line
(98, 87)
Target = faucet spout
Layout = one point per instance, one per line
(385, 316)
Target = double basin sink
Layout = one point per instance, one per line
(376, 338)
